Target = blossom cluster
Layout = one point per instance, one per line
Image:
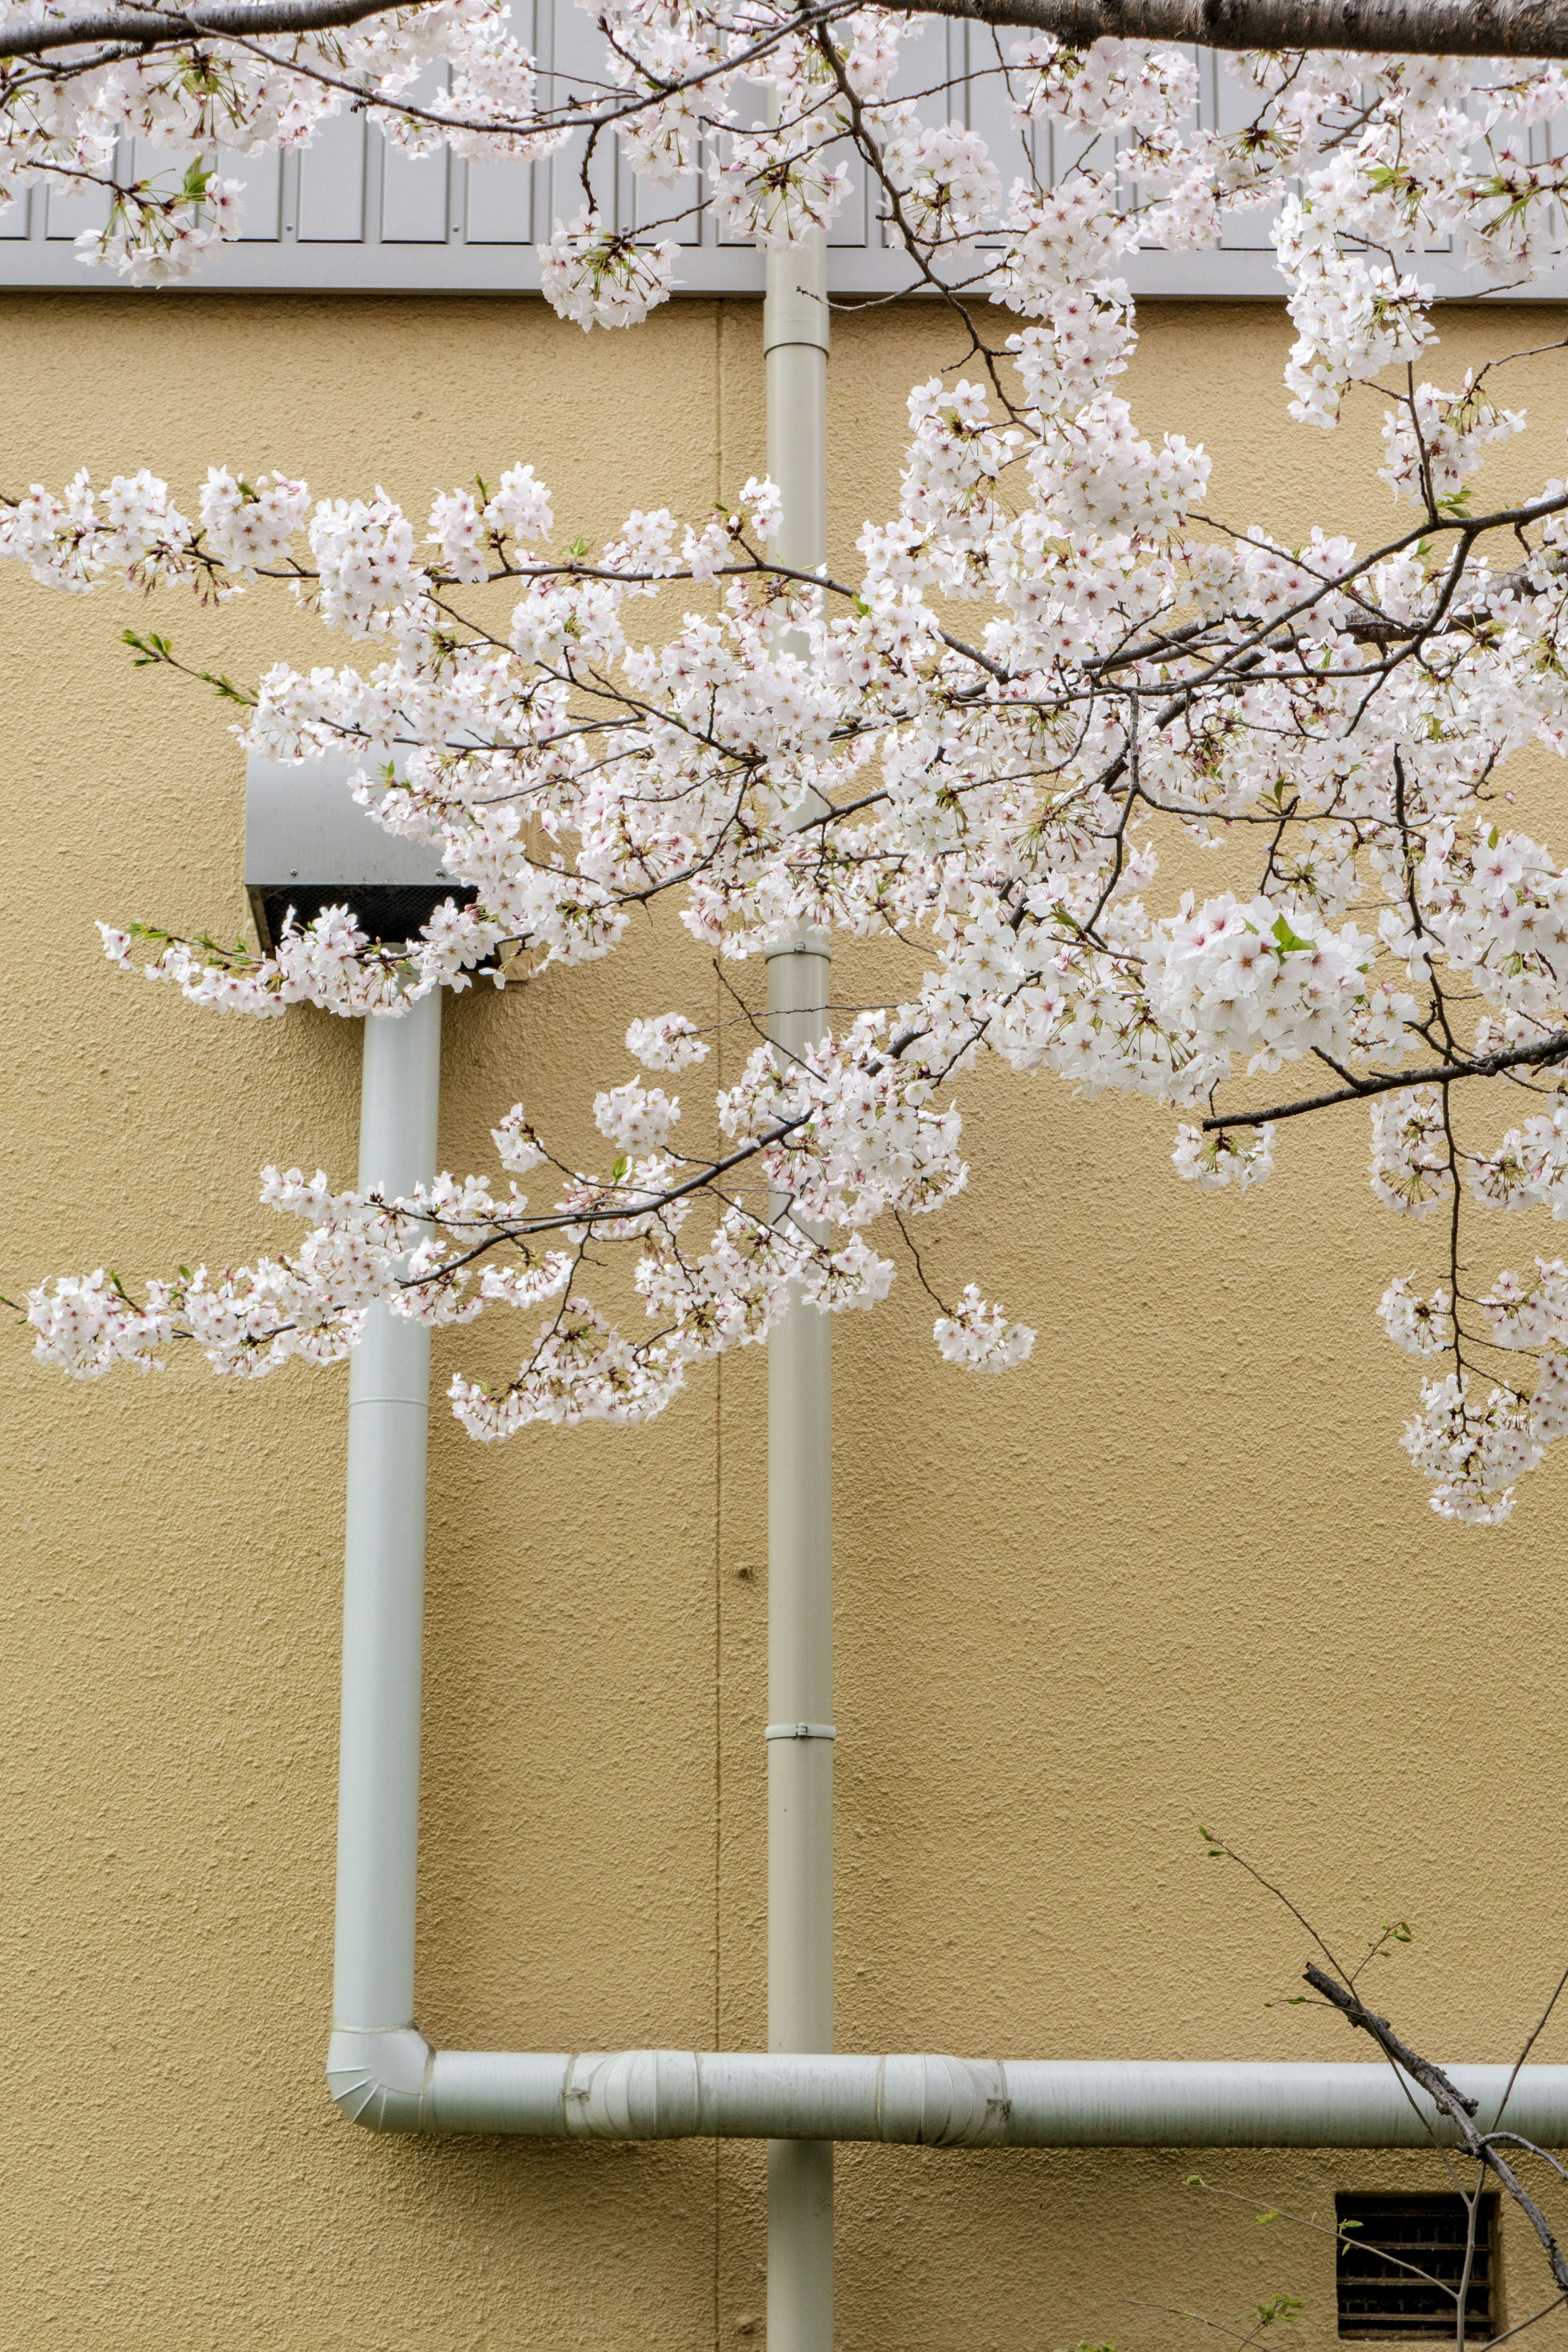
(1051, 685)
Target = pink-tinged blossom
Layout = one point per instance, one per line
(516, 1146)
(978, 1336)
(670, 1042)
(1409, 1168)
(593, 275)
(1422, 1327)
(1235, 1155)
(635, 1117)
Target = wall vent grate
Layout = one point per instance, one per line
(1399, 2271)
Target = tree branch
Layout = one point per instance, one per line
(159, 27)
(1554, 1048)
(1492, 28)
(1449, 2101)
(1444, 2097)
(1469, 29)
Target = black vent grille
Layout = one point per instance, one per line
(1394, 2267)
(386, 910)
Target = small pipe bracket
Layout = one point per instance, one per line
(800, 1731)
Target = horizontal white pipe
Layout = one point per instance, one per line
(395, 2082)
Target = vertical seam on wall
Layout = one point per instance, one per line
(718, 1686)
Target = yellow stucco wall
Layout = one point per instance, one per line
(1176, 1568)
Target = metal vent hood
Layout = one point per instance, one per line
(308, 844)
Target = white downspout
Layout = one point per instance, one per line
(800, 1445)
(800, 1735)
(384, 1563)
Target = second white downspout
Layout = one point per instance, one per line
(800, 1731)
(384, 1563)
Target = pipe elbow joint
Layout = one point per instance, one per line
(382, 2079)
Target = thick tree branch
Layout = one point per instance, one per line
(1449, 2100)
(1492, 28)
(1468, 28)
(22, 37)
(1554, 1048)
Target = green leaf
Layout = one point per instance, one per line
(619, 1170)
(226, 689)
(150, 649)
(194, 187)
(1287, 940)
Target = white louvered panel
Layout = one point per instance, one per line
(1236, 103)
(346, 213)
(849, 223)
(499, 204)
(751, 109)
(163, 167)
(993, 85)
(414, 189)
(926, 61)
(1549, 144)
(414, 197)
(1013, 147)
(261, 184)
(665, 212)
(576, 68)
(501, 199)
(66, 216)
(332, 183)
(674, 212)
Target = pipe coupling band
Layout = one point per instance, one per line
(800, 1731)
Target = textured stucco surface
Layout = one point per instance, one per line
(1175, 1569)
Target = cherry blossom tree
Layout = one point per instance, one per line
(1056, 679)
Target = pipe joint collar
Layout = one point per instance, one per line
(633, 2094)
(382, 2079)
(943, 2102)
(796, 312)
